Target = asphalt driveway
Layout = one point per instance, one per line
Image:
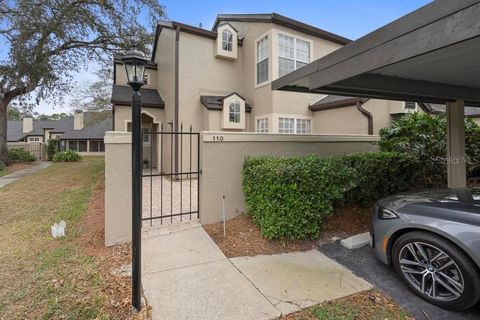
(363, 263)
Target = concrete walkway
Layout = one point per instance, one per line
(186, 276)
(5, 180)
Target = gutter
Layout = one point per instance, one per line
(367, 114)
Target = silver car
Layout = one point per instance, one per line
(432, 239)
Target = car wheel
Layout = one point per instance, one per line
(436, 270)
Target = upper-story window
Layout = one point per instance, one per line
(234, 112)
(227, 40)
(262, 60)
(292, 54)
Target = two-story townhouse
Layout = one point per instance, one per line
(219, 79)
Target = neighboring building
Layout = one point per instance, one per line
(433, 108)
(219, 80)
(82, 132)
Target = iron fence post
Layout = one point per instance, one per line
(136, 200)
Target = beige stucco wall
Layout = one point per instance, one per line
(123, 115)
(121, 76)
(118, 188)
(349, 120)
(221, 162)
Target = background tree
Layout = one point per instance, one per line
(94, 95)
(48, 41)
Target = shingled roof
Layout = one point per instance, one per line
(216, 102)
(95, 126)
(122, 95)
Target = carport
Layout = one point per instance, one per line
(430, 55)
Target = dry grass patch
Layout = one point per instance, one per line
(368, 305)
(46, 278)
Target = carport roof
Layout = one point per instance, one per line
(429, 55)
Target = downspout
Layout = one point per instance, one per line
(367, 114)
(176, 116)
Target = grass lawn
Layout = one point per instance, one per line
(368, 305)
(42, 277)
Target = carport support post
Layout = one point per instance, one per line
(456, 161)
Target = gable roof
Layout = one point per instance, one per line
(122, 95)
(216, 102)
(95, 126)
(185, 28)
(436, 108)
(283, 21)
(333, 102)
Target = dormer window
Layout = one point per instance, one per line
(234, 112)
(227, 40)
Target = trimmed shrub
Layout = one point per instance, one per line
(20, 155)
(66, 156)
(425, 137)
(289, 198)
(52, 148)
(379, 174)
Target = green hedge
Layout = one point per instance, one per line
(67, 156)
(380, 174)
(290, 198)
(52, 148)
(20, 155)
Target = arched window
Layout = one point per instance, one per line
(234, 112)
(227, 40)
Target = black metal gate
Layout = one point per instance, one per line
(171, 175)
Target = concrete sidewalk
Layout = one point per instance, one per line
(5, 180)
(186, 276)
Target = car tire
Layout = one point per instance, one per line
(461, 276)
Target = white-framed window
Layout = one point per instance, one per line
(262, 125)
(234, 112)
(227, 40)
(294, 125)
(303, 126)
(293, 53)
(286, 125)
(262, 60)
(34, 139)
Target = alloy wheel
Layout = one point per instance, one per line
(431, 271)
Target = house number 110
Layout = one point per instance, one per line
(217, 138)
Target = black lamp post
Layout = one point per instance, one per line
(135, 67)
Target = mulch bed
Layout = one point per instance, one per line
(92, 242)
(243, 237)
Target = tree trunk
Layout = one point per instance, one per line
(3, 132)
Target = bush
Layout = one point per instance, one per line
(66, 156)
(52, 148)
(20, 155)
(379, 174)
(289, 198)
(425, 137)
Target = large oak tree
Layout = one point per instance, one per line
(48, 41)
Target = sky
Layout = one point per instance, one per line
(348, 18)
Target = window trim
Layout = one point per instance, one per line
(268, 58)
(265, 125)
(234, 112)
(227, 30)
(295, 60)
(295, 124)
